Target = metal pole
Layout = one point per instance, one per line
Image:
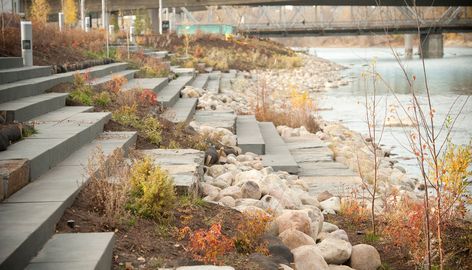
(104, 26)
(172, 22)
(160, 17)
(61, 21)
(27, 43)
(82, 14)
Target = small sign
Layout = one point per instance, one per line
(165, 26)
(26, 44)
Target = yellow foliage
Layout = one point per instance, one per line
(39, 11)
(70, 12)
(152, 191)
(301, 100)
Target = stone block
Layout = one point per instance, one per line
(14, 174)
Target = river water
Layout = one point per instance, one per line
(449, 80)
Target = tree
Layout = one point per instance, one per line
(39, 11)
(70, 12)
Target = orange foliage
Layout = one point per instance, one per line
(207, 246)
(250, 231)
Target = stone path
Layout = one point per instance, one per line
(317, 167)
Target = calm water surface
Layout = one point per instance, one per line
(449, 80)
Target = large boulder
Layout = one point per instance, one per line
(334, 250)
(309, 258)
(210, 191)
(324, 196)
(293, 238)
(339, 267)
(228, 201)
(278, 249)
(250, 189)
(251, 175)
(329, 227)
(292, 219)
(226, 178)
(333, 203)
(270, 204)
(364, 257)
(216, 170)
(340, 234)
(232, 191)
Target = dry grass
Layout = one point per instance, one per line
(108, 186)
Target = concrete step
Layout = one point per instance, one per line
(201, 81)
(158, 54)
(103, 81)
(214, 82)
(249, 135)
(184, 165)
(154, 84)
(225, 83)
(24, 109)
(277, 154)
(36, 86)
(56, 140)
(182, 111)
(171, 93)
(30, 215)
(10, 62)
(76, 251)
(23, 73)
(217, 119)
(183, 71)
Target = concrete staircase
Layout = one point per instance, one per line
(179, 109)
(42, 174)
(263, 139)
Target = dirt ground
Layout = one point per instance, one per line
(147, 244)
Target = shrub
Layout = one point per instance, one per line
(114, 86)
(147, 97)
(152, 193)
(151, 129)
(207, 245)
(102, 99)
(108, 188)
(126, 115)
(249, 233)
(354, 211)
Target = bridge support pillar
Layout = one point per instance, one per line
(408, 45)
(431, 45)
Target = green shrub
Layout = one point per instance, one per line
(152, 129)
(126, 115)
(102, 99)
(152, 192)
(82, 96)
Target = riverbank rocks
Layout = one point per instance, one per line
(293, 238)
(334, 250)
(331, 204)
(250, 189)
(364, 257)
(294, 220)
(309, 258)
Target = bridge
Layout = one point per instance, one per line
(291, 18)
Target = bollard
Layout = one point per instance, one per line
(61, 21)
(87, 24)
(131, 33)
(27, 43)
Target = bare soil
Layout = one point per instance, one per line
(147, 244)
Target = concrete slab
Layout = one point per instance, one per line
(183, 71)
(171, 93)
(36, 86)
(27, 108)
(184, 165)
(214, 82)
(29, 216)
(103, 81)
(201, 81)
(154, 84)
(10, 62)
(249, 135)
(76, 251)
(217, 119)
(61, 114)
(277, 154)
(23, 73)
(55, 141)
(337, 185)
(182, 111)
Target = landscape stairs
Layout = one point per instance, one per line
(179, 109)
(263, 139)
(42, 174)
(318, 167)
